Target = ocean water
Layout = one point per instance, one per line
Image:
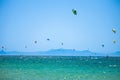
(59, 68)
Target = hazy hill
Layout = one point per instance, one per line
(61, 52)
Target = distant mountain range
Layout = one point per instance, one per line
(61, 52)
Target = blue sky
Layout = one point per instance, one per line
(24, 21)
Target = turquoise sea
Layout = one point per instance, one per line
(59, 68)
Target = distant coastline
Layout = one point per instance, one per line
(61, 52)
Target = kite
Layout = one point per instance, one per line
(25, 46)
(74, 11)
(2, 47)
(35, 42)
(61, 43)
(114, 30)
(102, 45)
(48, 39)
(114, 41)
